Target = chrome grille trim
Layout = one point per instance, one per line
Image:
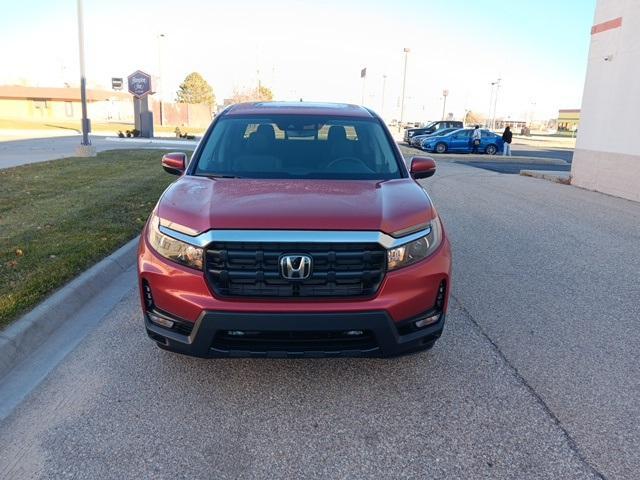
(294, 236)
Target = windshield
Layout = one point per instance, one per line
(298, 146)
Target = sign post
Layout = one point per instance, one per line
(139, 85)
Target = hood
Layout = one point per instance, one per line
(200, 204)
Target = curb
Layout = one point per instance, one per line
(152, 141)
(501, 159)
(23, 336)
(552, 176)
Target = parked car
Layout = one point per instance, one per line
(430, 128)
(295, 230)
(416, 141)
(459, 141)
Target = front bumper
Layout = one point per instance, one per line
(297, 335)
(184, 295)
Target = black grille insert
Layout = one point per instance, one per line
(245, 269)
(294, 341)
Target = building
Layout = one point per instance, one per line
(607, 155)
(568, 120)
(50, 103)
(516, 125)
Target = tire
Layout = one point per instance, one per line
(441, 148)
(491, 150)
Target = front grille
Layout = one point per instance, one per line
(243, 269)
(265, 341)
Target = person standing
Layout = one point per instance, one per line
(476, 136)
(507, 136)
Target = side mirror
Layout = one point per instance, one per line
(422, 167)
(174, 163)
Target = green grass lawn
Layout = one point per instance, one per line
(60, 217)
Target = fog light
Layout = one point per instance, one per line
(354, 333)
(158, 320)
(423, 322)
(235, 333)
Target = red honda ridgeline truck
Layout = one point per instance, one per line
(295, 230)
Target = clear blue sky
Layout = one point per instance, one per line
(315, 50)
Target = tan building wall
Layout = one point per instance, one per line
(607, 155)
(60, 104)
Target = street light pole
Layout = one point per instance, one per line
(160, 89)
(404, 85)
(83, 80)
(445, 94)
(495, 103)
(384, 85)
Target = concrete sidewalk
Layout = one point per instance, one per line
(34, 150)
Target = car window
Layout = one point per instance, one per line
(462, 134)
(298, 146)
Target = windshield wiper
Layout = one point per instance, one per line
(215, 175)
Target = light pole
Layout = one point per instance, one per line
(404, 86)
(490, 105)
(384, 86)
(83, 80)
(495, 102)
(160, 89)
(445, 94)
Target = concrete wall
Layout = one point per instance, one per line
(607, 156)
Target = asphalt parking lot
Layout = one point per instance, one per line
(565, 154)
(515, 167)
(536, 376)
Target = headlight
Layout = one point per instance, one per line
(173, 249)
(417, 250)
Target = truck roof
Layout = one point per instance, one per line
(298, 108)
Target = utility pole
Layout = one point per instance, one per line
(445, 94)
(384, 86)
(404, 86)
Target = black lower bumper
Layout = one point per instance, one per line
(292, 335)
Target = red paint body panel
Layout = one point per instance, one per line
(404, 293)
(202, 203)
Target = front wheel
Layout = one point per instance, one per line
(491, 150)
(441, 148)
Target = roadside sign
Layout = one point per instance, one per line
(116, 83)
(139, 84)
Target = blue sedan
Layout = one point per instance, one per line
(459, 141)
(416, 140)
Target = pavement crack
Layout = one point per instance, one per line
(573, 446)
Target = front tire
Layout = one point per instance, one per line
(441, 148)
(491, 150)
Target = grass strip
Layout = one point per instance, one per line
(58, 218)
